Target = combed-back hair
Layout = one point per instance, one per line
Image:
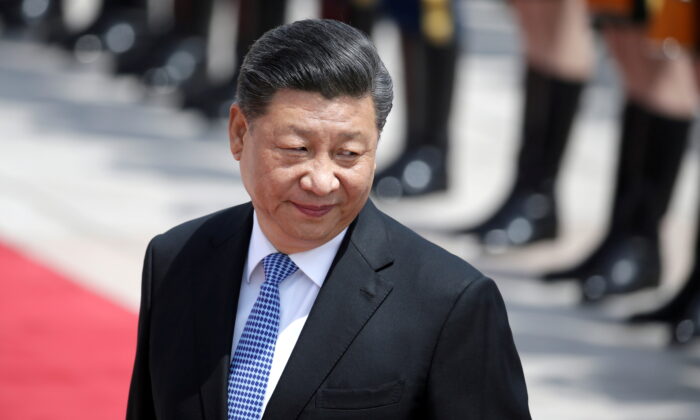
(315, 55)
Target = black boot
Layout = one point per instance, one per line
(687, 326)
(11, 14)
(529, 213)
(429, 71)
(682, 312)
(629, 259)
(633, 137)
(136, 41)
(183, 59)
(93, 36)
(44, 20)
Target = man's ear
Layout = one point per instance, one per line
(237, 129)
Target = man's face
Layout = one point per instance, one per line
(307, 164)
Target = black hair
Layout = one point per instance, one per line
(316, 55)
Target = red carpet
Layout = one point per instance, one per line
(65, 353)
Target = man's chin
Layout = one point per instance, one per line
(310, 238)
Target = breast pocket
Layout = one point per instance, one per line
(358, 398)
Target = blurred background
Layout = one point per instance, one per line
(551, 143)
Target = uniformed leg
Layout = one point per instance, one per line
(430, 51)
(657, 118)
(558, 50)
(633, 139)
(255, 17)
(682, 312)
(529, 212)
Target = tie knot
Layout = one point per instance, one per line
(278, 267)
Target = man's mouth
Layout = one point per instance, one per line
(313, 211)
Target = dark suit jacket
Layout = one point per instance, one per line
(401, 329)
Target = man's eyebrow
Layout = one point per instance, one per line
(349, 135)
(303, 132)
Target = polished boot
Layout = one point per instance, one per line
(96, 33)
(687, 327)
(11, 14)
(647, 200)
(529, 212)
(630, 263)
(682, 313)
(183, 60)
(628, 258)
(124, 30)
(633, 136)
(673, 310)
(44, 19)
(421, 168)
(148, 48)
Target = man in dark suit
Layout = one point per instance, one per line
(309, 303)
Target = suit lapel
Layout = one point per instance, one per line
(215, 297)
(351, 294)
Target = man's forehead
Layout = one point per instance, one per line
(302, 107)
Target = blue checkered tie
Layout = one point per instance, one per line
(252, 360)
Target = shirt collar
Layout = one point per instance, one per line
(314, 263)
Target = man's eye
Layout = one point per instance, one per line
(296, 149)
(347, 154)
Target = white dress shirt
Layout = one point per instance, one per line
(297, 294)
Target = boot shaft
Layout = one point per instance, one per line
(550, 107)
(650, 154)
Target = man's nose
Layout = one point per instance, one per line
(320, 178)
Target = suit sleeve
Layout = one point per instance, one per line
(476, 371)
(140, 405)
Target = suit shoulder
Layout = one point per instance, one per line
(211, 227)
(423, 257)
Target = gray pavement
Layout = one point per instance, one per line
(91, 168)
